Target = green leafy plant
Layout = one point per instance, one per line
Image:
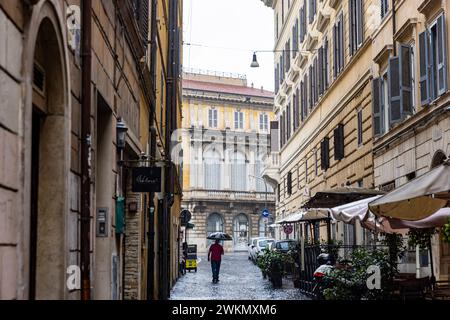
(397, 248)
(332, 248)
(272, 263)
(446, 231)
(348, 281)
(420, 237)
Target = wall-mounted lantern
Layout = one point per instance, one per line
(122, 130)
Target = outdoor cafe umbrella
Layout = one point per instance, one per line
(418, 198)
(219, 236)
(359, 211)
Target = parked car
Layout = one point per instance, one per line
(258, 245)
(284, 245)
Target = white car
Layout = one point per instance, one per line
(258, 245)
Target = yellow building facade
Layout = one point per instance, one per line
(225, 133)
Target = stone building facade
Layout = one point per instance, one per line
(70, 71)
(361, 98)
(225, 142)
(413, 135)
(323, 73)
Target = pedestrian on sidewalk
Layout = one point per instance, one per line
(215, 255)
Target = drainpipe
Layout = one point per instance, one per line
(394, 28)
(151, 219)
(85, 149)
(169, 173)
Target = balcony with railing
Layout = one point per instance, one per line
(227, 195)
(271, 170)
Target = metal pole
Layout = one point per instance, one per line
(85, 225)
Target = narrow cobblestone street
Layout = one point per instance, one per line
(239, 279)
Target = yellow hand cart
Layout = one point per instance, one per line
(191, 258)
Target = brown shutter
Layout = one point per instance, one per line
(339, 142)
(324, 154)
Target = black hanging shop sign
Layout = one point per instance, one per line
(146, 179)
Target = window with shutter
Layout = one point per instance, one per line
(395, 114)
(339, 142)
(143, 17)
(376, 107)
(360, 128)
(406, 80)
(295, 36)
(296, 109)
(302, 101)
(338, 39)
(325, 154)
(384, 8)
(320, 71)
(289, 183)
(281, 130)
(441, 55)
(356, 26)
(288, 121)
(325, 66)
(311, 89)
(424, 67)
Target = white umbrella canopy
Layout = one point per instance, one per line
(418, 198)
(359, 211)
(350, 212)
(437, 219)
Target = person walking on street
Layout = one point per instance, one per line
(215, 255)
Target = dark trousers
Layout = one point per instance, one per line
(215, 266)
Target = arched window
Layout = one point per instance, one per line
(238, 172)
(438, 159)
(212, 170)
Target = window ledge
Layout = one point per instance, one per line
(405, 30)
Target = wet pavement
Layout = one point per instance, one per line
(239, 278)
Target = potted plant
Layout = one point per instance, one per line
(262, 263)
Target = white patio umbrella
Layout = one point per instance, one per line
(359, 211)
(418, 198)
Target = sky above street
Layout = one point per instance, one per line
(221, 35)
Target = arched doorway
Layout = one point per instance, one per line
(47, 154)
(214, 223)
(240, 232)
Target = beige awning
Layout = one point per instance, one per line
(417, 199)
(315, 214)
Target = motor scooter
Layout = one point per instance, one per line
(325, 267)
